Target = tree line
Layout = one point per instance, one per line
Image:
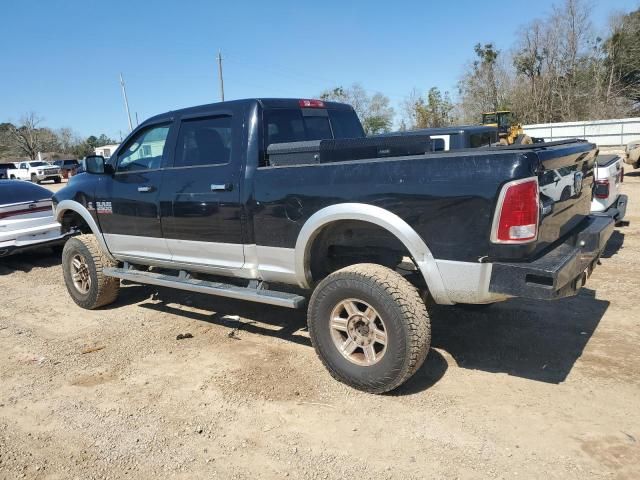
(557, 70)
(29, 136)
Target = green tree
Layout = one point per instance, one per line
(436, 110)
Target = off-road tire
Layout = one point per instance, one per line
(405, 318)
(103, 290)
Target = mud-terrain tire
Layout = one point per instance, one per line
(82, 264)
(354, 310)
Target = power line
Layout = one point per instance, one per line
(126, 102)
(220, 76)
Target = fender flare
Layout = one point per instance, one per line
(81, 210)
(378, 216)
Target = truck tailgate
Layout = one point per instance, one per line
(565, 176)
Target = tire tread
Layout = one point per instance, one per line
(414, 314)
(107, 287)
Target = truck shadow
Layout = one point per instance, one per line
(614, 244)
(539, 341)
(236, 315)
(525, 338)
(43, 257)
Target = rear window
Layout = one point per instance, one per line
(480, 139)
(14, 191)
(285, 125)
(345, 124)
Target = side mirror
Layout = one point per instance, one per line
(95, 164)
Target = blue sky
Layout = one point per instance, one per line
(62, 59)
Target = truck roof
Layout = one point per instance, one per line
(264, 102)
(456, 129)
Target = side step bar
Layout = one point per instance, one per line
(281, 299)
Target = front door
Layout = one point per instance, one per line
(203, 225)
(129, 212)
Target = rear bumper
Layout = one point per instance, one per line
(617, 210)
(559, 273)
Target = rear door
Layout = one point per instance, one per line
(202, 213)
(127, 204)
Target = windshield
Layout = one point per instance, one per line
(38, 164)
(17, 192)
(489, 118)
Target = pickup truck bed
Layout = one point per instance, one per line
(238, 197)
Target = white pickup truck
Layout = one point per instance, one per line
(607, 199)
(36, 171)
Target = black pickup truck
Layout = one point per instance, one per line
(285, 202)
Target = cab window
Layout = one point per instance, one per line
(204, 141)
(145, 151)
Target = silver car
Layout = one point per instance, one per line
(26, 218)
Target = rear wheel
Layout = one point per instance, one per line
(82, 265)
(369, 327)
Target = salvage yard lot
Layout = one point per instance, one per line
(523, 389)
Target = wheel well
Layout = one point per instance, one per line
(348, 242)
(72, 220)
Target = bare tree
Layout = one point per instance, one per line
(28, 139)
(375, 111)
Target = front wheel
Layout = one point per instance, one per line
(57, 180)
(82, 264)
(369, 327)
(34, 179)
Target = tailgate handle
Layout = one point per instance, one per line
(225, 187)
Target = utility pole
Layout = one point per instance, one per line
(126, 102)
(220, 76)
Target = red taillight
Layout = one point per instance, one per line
(311, 103)
(517, 212)
(602, 189)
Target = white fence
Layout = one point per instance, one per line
(601, 132)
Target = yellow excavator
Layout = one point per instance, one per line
(508, 131)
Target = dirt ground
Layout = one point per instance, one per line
(522, 390)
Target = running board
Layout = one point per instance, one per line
(281, 299)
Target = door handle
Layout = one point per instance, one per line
(225, 187)
(145, 189)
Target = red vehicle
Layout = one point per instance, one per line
(68, 168)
